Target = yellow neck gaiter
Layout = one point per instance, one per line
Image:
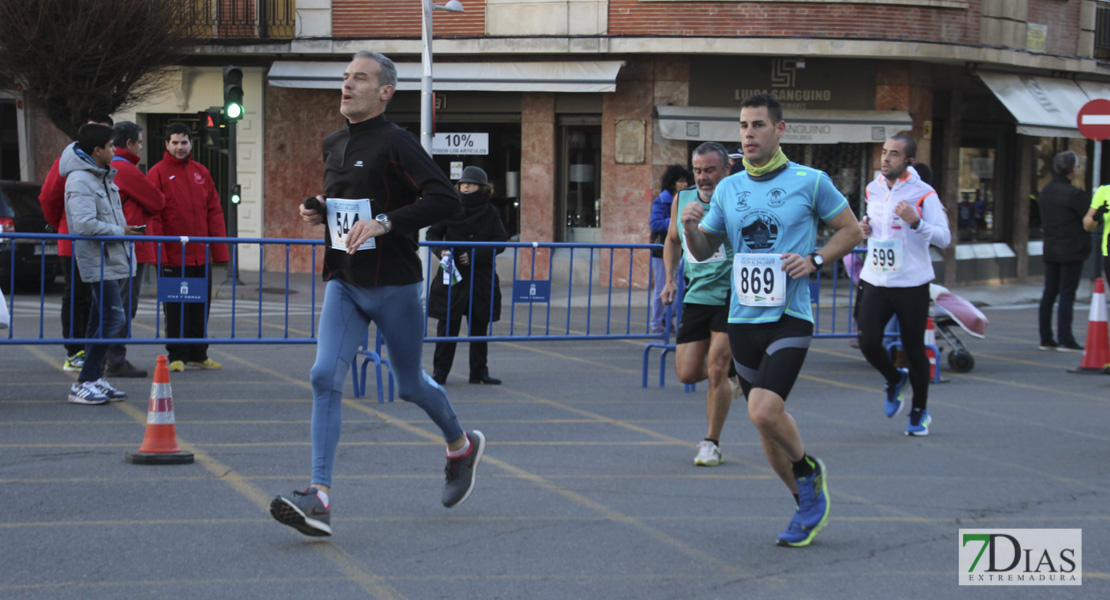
(777, 161)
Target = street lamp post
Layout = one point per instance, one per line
(426, 63)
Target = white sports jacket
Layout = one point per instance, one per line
(898, 256)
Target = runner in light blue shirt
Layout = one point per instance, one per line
(770, 213)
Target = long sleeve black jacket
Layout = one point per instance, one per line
(1062, 208)
(378, 160)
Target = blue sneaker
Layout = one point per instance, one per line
(894, 402)
(812, 514)
(919, 423)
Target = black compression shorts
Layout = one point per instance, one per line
(770, 355)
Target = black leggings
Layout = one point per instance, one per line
(911, 305)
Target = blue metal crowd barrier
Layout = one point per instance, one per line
(232, 334)
(603, 310)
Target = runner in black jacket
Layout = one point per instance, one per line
(381, 189)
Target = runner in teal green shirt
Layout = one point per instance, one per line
(702, 349)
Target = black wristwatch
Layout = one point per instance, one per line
(817, 260)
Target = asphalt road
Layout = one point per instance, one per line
(587, 490)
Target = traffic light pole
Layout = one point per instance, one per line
(232, 215)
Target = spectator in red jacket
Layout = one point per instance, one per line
(142, 203)
(76, 295)
(192, 209)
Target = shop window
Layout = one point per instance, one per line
(579, 201)
(845, 164)
(977, 211)
(1044, 152)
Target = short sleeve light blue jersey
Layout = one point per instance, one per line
(773, 214)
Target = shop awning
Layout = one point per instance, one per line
(802, 126)
(1095, 89)
(548, 76)
(1042, 106)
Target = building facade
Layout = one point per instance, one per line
(575, 107)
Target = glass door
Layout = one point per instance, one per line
(578, 205)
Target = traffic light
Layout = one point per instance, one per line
(236, 194)
(211, 128)
(233, 93)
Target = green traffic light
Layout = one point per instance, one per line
(236, 196)
(234, 110)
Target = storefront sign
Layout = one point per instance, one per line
(813, 83)
(459, 144)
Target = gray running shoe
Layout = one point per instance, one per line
(303, 512)
(460, 471)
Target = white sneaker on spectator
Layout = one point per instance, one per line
(86, 392)
(110, 392)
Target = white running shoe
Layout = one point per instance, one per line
(110, 392)
(709, 455)
(86, 393)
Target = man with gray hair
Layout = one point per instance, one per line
(1066, 245)
(702, 349)
(380, 189)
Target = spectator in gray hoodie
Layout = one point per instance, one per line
(93, 209)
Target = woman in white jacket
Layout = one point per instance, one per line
(904, 217)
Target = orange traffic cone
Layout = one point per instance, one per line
(1097, 352)
(931, 340)
(159, 445)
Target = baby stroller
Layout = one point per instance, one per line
(949, 310)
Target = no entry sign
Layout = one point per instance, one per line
(1094, 119)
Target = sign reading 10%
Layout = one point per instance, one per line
(455, 144)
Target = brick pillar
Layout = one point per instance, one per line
(537, 179)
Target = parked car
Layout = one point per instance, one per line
(21, 212)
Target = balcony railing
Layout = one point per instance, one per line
(1102, 32)
(246, 19)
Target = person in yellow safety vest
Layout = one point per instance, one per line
(1100, 213)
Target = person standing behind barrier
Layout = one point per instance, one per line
(702, 349)
(904, 216)
(1066, 246)
(1099, 214)
(93, 209)
(142, 202)
(769, 212)
(675, 179)
(76, 296)
(479, 221)
(192, 210)
(381, 187)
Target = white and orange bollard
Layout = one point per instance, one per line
(159, 445)
(1096, 354)
(930, 343)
